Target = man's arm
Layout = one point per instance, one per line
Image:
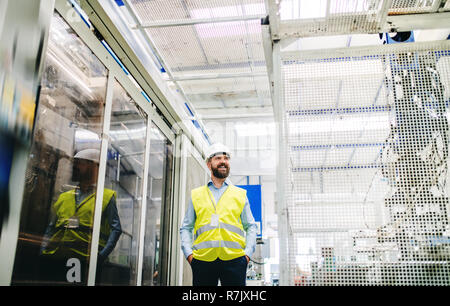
(250, 227)
(186, 231)
(116, 229)
(50, 230)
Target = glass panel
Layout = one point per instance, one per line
(159, 193)
(119, 234)
(197, 177)
(61, 178)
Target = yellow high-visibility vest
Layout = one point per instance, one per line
(68, 241)
(224, 239)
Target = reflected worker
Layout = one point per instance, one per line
(224, 229)
(69, 233)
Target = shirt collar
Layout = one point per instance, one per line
(227, 182)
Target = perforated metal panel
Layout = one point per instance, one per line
(414, 6)
(211, 48)
(153, 10)
(229, 92)
(366, 179)
(200, 40)
(303, 18)
(335, 16)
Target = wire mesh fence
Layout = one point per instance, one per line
(366, 187)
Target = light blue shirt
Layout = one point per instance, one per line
(248, 222)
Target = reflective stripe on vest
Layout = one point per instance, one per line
(77, 240)
(216, 244)
(226, 240)
(209, 227)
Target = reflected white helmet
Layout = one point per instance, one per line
(217, 148)
(89, 154)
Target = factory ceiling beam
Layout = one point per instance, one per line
(177, 23)
(385, 20)
(236, 116)
(217, 76)
(396, 23)
(402, 23)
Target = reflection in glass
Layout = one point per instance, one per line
(196, 174)
(59, 196)
(124, 174)
(159, 192)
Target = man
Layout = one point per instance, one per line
(69, 233)
(218, 215)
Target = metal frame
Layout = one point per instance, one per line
(101, 181)
(218, 76)
(387, 20)
(238, 116)
(166, 230)
(65, 9)
(276, 34)
(181, 207)
(175, 23)
(177, 257)
(283, 219)
(81, 28)
(157, 54)
(357, 51)
(149, 79)
(176, 195)
(141, 26)
(115, 73)
(10, 227)
(144, 205)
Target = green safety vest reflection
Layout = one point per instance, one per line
(75, 240)
(224, 238)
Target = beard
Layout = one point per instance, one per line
(220, 174)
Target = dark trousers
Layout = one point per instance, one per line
(229, 272)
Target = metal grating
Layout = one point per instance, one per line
(228, 92)
(200, 41)
(166, 10)
(303, 18)
(211, 48)
(366, 181)
(414, 6)
(323, 16)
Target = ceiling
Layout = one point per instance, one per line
(211, 53)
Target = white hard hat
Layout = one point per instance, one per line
(89, 154)
(217, 148)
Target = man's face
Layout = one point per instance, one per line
(219, 166)
(84, 170)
